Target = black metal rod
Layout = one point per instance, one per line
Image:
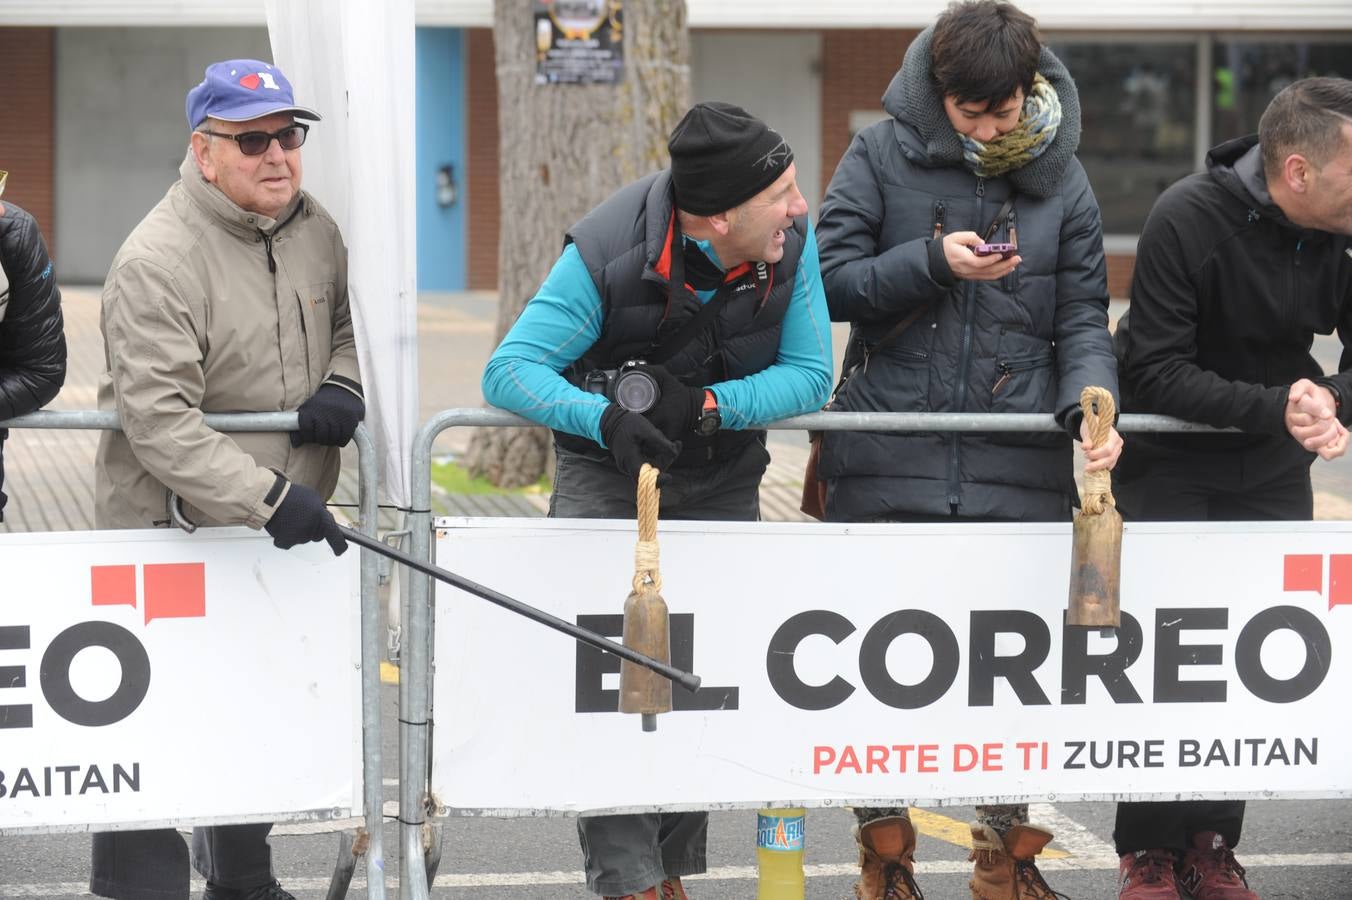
(686, 680)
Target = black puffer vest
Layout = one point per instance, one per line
(626, 245)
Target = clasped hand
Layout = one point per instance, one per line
(1311, 418)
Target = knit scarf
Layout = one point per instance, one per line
(1026, 142)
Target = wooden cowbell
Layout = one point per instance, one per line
(1096, 557)
(647, 627)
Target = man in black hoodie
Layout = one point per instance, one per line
(1237, 269)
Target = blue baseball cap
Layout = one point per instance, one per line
(238, 90)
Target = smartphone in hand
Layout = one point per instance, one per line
(1005, 250)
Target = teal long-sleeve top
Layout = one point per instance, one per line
(563, 320)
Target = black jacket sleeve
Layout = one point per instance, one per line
(32, 339)
(1161, 364)
(1341, 383)
(865, 282)
(1084, 347)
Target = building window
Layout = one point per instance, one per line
(1138, 111)
(1248, 74)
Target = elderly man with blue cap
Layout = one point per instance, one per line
(230, 295)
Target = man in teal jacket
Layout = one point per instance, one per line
(698, 285)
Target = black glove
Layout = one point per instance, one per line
(302, 517)
(329, 417)
(633, 441)
(678, 405)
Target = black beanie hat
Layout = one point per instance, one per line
(721, 156)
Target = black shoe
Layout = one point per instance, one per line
(270, 891)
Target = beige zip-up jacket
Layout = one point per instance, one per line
(195, 322)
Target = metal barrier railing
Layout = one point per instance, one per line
(368, 490)
(418, 842)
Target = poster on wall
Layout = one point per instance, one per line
(579, 41)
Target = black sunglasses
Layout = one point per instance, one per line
(256, 143)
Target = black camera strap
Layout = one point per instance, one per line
(700, 320)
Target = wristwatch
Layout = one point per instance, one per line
(709, 420)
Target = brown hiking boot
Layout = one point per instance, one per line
(1004, 867)
(1210, 871)
(1147, 875)
(886, 860)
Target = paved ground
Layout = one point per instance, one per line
(1293, 850)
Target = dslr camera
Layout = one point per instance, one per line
(630, 385)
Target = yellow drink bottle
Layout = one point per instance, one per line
(779, 854)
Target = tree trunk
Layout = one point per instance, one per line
(563, 148)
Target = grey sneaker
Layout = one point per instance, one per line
(270, 891)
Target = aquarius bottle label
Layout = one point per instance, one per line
(779, 832)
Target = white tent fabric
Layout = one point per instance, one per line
(353, 62)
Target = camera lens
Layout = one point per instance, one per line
(636, 391)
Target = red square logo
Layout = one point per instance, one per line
(1303, 572)
(1340, 579)
(175, 590)
(112, 585)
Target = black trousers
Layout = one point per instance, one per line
(153, 865)
(1255, 484)
(725, 491)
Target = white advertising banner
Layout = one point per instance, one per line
(156, 677)
(887, 664)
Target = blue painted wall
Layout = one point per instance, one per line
(440, 128)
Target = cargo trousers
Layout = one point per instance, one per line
(630, 853)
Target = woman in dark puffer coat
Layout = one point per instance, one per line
(980, 147)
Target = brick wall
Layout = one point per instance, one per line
(857, 66)
(1120, 266)
(27, 134)
(481, 147)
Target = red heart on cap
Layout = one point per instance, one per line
(251, 81)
